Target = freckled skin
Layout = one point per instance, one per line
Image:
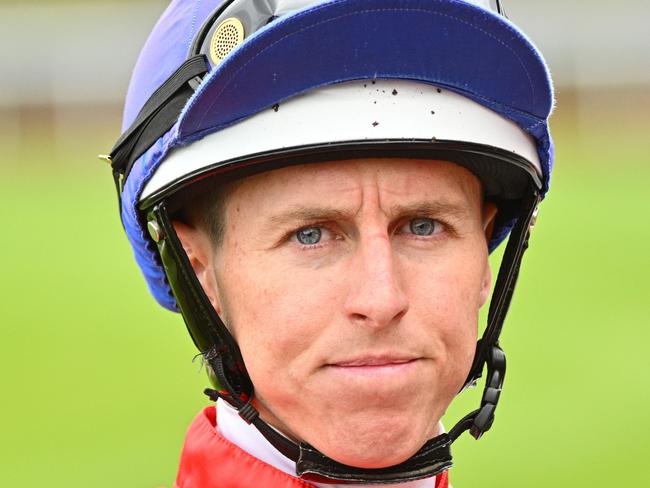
(369, 288)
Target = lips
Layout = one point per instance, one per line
(370, 361)
(367, 370)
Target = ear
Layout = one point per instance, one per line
(198, 247)
(486, 286)
(489, 216)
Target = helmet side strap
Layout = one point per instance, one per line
(488, 351)
(207, 330)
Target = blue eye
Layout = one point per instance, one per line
(423, 227)
(309, 235)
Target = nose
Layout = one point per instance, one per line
(375, 298)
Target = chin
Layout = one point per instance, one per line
(374, 457)
(379, 447)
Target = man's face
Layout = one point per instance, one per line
(353, 289)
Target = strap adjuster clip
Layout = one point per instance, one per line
(496, 365)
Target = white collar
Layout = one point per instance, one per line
(231, 426)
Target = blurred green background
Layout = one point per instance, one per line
(98, 383)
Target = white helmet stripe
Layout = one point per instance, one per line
(351, 111)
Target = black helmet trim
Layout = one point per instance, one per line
(503, 174)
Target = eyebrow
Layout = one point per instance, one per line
(315, 214)
(309, 214)
(443, 208)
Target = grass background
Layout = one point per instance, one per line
(98, 384)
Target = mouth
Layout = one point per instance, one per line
(374, 366)
(372, 361)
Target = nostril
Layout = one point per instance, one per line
(358, 317)
(400, 315)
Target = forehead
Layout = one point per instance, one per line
(391, 178)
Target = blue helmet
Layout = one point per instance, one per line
(231, 88)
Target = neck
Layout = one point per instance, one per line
(236, 430)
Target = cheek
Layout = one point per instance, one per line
(446, 296)
(278, 317)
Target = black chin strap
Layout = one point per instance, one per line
(234, 386)
(312, 465)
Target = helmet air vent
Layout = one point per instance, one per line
(226, 37)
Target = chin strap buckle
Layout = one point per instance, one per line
(496, 366)
(431, 460)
